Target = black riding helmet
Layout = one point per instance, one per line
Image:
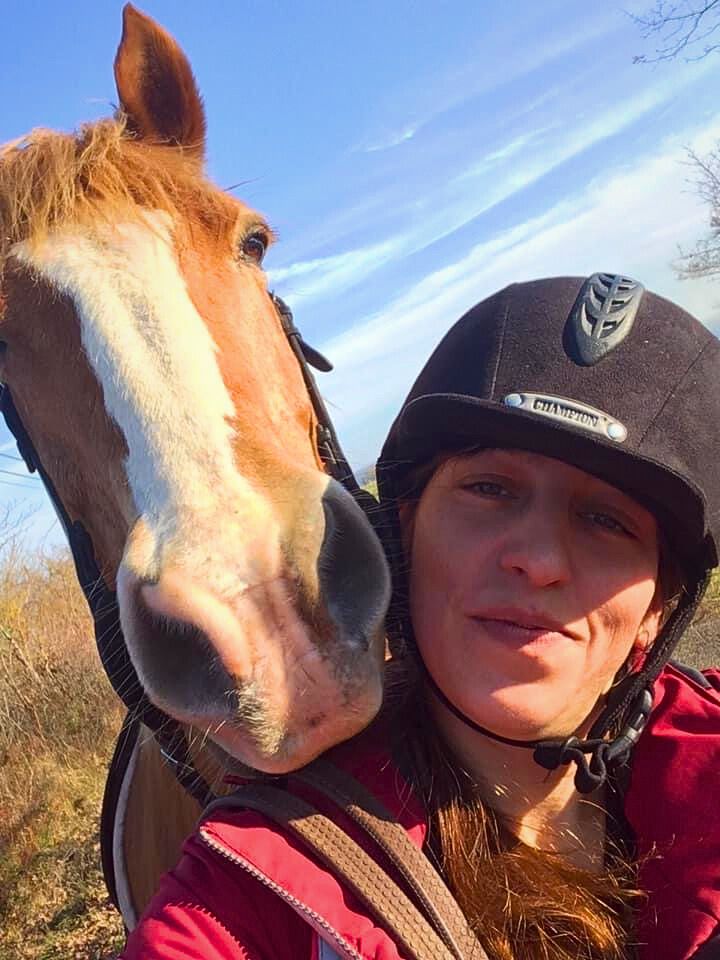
(605, 376)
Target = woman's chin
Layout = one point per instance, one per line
(525, 716)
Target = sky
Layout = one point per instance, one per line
(412, 157)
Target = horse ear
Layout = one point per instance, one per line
(156, 86)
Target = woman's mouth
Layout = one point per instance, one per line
(520, 629)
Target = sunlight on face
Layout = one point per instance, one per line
(531, 582)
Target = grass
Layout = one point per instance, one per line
(58, 721)
(700, 647)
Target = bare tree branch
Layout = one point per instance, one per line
(704, 259)
(686, 28)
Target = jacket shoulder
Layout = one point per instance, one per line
(245, 889)
(299, 876)
(709, 678)
(676, 762)
(671, 806)
(207, 909)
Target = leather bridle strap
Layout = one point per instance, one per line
(102, 601)
(328, 444)
(348, 861)
(412, 866)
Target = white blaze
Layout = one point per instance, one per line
(156, 362)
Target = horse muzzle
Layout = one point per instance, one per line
(281, 669)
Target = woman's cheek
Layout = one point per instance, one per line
(613, 636)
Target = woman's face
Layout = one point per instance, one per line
(530, 583)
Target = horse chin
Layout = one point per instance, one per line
(254, 740)
(294, 748)
(282, 722)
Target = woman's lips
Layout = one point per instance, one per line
(520, 629)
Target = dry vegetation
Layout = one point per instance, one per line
(701, 645)
(58, 720)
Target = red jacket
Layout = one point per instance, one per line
(244, 890)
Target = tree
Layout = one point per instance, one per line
(704, 259)
(689, 28)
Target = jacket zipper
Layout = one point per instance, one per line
(318, 923)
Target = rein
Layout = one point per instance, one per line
(102, 601)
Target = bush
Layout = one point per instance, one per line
(58, 722)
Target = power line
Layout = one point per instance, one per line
(10, 456)
(20, 476)
(23, 486)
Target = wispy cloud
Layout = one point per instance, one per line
(331, 275)
(614, 224)
(505, 152)
(389, 140)
(474, 192)
(481, 75)
(496, 177)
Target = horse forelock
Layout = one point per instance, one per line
(99, 175)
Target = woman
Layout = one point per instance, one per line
(552, 507)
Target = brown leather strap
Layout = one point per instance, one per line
(349, 862)
(423, 880)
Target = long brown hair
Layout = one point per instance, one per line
(522, 903)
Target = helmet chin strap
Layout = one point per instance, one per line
(628, 705)
(593, 756)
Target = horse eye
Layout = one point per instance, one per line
(255, 245)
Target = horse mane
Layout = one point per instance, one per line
(99, 174)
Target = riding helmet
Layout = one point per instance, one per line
(599, 373)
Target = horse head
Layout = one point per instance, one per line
(150, 368)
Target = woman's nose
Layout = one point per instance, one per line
(537, 547)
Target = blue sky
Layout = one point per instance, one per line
(412, 157)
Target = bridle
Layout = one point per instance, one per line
(102, 601)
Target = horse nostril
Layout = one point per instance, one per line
(177, 659)
(352, 569)
(178, 599)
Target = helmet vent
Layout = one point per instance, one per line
(601, 317)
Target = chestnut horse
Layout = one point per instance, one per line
(150, 368)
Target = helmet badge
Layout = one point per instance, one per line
(562, 410)
(601, 317)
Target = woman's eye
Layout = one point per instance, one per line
(608, 522)
(254, 246)
(487, 488)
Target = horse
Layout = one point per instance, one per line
(158, 387)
